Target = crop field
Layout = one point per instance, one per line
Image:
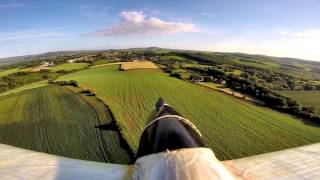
(69, 66)
(137, 65)
(233, 128)
(60, 121)
(306, 98)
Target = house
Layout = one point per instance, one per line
(71, 61)
(197, 78)
(87, 58)
(219, 80)
(208, 78)
(155, 58)
(47, 64)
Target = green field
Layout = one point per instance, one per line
(231, 127)
(26, 87)
(10, 71)
(99, 62)
(69, 67)
(172, 58)
(59, 121)
(306, 98)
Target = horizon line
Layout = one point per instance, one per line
(108, 49)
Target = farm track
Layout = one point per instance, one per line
(59, 121)
(231, 127)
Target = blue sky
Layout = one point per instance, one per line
(288, 28)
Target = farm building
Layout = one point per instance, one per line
(197, 78)
(71, 61)
(47, 64)
(219, 81)
(87, 58)
(208, 78)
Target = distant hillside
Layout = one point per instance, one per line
(291, 66)
(19, 59)
(284, 60)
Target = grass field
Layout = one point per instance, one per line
(26, 87)
(59, 121)
(231, 127)
(306, 98)
(172, 58)
(69, 67)
(99, 62)
(10, 71)
(235, 72)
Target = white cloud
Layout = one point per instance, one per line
(136, 22)
(306, 33)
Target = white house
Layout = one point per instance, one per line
(71, 61)
(47, 64)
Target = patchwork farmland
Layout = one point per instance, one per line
(233, 128)
(59, 120)
(306, 98)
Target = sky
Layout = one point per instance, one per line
(286, 28)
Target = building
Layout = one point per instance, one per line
(197, 78)
(71, 61)
(47, 64)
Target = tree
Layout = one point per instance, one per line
(309, 87)
(291, 84)
(292, 102)
(274, 100)
(45, 76)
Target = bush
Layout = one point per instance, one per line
(21, 73)
(45, 76)
(44, 70)
(73, 83)
(88, 92)
(62, 71)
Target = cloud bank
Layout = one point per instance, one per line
(137, 23)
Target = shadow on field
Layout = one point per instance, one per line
(123, 143)
(309, 123)
(111, 126)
